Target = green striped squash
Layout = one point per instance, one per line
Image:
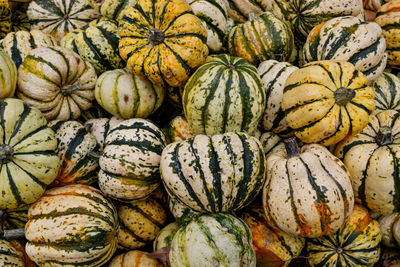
(126, 95)
(218, 173)
(111, 9)
(131, 159)
(387, 92)
(273, 75)
(349, 39)
(57, 82)
(390, 228)
(177, 130)
(271, 143)
(96, 43)
(134, 258)
(19, 44)
(180, 211)
(94, 112)
(15, 219)
(59, 17)
(225, 94)
(10, 256)
(73, 225)
(165, 236)
(27, 152)
(19, 21)
(213, 239)
(355, 244)
(8, 76)
(261, 38)
(100, 128)
(372, 158)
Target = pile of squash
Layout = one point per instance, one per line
(197, 133)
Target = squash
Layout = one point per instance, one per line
(325, 101)
(167, 46)
(94, 112)
(8, 76)
(165, 236)
(271, 143)
(174, 97)
(387, 92)
(224, 95)
(373, 5)
(19, 44)
(308, 191)
(213, 239)
(19, 21)
(27, 152)
(261, 38)
(182, 213)
(100, 128)
(273, 76)
(177, 130)
(349, 39)
(140, 222)
(129, 165)
(9, 255)
(390, 257)
(15, 219)
(218, 173)
(73, 225)
(390, 228)
(59, 17)
(5, 18)
(371, 158)
(240, 10)
(134, 258)
(355, 244)
(126, 95)
(57, 82)
(111, 9)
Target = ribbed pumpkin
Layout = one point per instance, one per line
(111, 9)
(8, 76)
(218, 173)
(19, 21)
(140, 222)
(325, 101)
(59, 17)
(274, 75)
(165, 236)
(165, 46)
(134, 258)
(57, 82)
(96, 43)
(355, 244)
(271, 143)
(180, 211)
(225, 94)
(28, 160)
(9, 255)
(15, 219)
(372, 159)
(177, 130)
(387, 92)
(131, 159)
(390, 228)
(213, 239)
(100, 128)
(5, 18)
(72, 225)
(349, 39)
(126, 95)
(308, 192)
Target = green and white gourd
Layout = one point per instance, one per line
(9, 255)
(8, 76)
(165, 236)
(100, 128)
(111, 9)
(19, 21)
(387, 92)
(16, 219)
(180, 211)
(271, 143)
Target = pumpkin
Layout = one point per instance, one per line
(19, 21)
(94, 112)
(325, 101)
(261, 38)
(224, 95)
(387, 92)
(5, 18)
(273, 76)
(72, 225)
(126, 95)
(131, 159)
(213, 239)
(308, 191)
(390, 228)
(15, 219)
(9, 255)
(165, 236)
(218, 173)
(57, 82)
(28, 160)
(349, 39)
(96, 43)
(140, 222)
(111, 9)
(134, 258)
(271, 143)
(8, 76)
(59, 17)
(167, 46)
(19, 44)
(180, 211)
(371, 158)
(355, 244)
(100, 128)
(177, 130)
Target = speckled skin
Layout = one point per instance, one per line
(177, 130)
(9, 255)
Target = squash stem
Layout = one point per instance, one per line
(155, 36)
(292, 149)
(14, 233)
(344, 95)
(6, 153)
(384, 136)
(95, 154)
(161, 254)
(71, 88)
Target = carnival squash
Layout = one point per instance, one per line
(8, 76)
(134, 258)
(387, 92)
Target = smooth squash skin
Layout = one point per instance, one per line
(390, 228)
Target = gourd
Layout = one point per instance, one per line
(19, 21)
(9, 255)
(8, 76)
(271, 143)
(240, 10)
(177, 130)
(111, 9)
(15, 219)
(100, 128)
(180, 211)
(167, 46)
(165, 236)
(94, 112)
(61, 86)
(5, 18)
(387, 92)
(374, 5)
(390, 257)
(134, 258)
(390, 228)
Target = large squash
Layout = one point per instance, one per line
(387, 92)
(8, 76)
(390, 228)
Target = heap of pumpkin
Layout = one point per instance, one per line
(199, 133)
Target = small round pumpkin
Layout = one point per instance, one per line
(390, 227)
(177, 130)
(134, 258)
(100, 128)
(8, 76)
(387, 92)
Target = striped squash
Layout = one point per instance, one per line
(9, 255)
(15, 219)
(355, 244)
(390, 228)
(349, 39)
(131, 159)
(8, 76)
(213, 239)
(224, 95)
(19, 44)
(166, 46)
(5, 18)
(308, 192)
(325, 101)
(182, 213)
(140, 222)
(177, 130)
(165, 236)
(57, 82)
(111, 9)
(387, 92)
(27, 152)
(19, 21)
(94, 112)
(59, 17)
(372, 158)
(218, 173)
(72, 225)
(261, 38)
(274, 75)
(271, 143)
(96, 43)
(100, 128)
(75, 145)
(134, 258)
(126, 95)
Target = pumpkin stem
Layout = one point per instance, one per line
(344, 95)
(6, 153)
(10, 234)
(161, 254)
(155, 36)
(384, 136)
(70, 88)
(95, 154)
(252, 16)
(292, 149)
